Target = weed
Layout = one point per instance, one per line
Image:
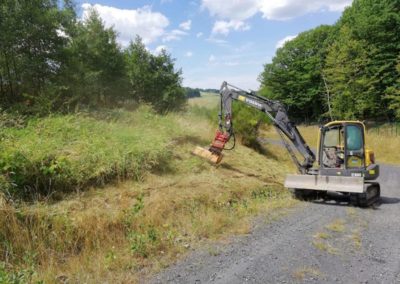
(356, 239)
(324, 246)
(214, 251)
(69, 153)
(322, 235)
(149, 218)
(301, 273)
(336, 226)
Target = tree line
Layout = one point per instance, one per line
(349, 70)
(52, 61)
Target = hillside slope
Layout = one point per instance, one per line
(136, 224)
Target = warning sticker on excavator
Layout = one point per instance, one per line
(241, 98)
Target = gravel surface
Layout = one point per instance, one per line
(329, 242)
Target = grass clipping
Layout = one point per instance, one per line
(128, 230)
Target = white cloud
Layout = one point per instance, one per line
(223, 27)
(199, 35)
(287, 9)
(240, 10)
(211, 59)
(144, 22)
(186, 25)
(207, 79)
(174, 35)
(189, 54)
(218, 41)
(282, 42)
(159, 49)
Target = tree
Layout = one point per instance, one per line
(377, 24)
(192, 93)
(356, 58)
(95, 69)
(347, 73)
(153, 78)
(30, 45)
(393, 94)
(295, 74)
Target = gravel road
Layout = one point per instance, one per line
(315, 242)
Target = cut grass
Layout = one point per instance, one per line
(125, 231)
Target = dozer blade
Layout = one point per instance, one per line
(206, 154)
(325, 183)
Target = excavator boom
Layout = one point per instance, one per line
(276, 113)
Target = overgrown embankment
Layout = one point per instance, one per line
(162, 200)
(66, 153)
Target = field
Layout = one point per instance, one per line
(120, 196)
(207, 100)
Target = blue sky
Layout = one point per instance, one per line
(215, 40)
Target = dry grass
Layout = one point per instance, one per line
(385, 146)
(124, 232)
(322, 235)
(336, 226)
(356, 238)
(325, 246)
(303, 272)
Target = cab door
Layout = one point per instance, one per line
(354, 146)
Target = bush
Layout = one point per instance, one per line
(246, 124)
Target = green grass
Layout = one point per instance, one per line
(66, 153)
(156, 202)
(207, 100)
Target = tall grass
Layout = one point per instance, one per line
(169, 202)
(67, 153)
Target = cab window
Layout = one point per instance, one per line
(331, 137)
(354, 137)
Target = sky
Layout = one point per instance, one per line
(215, 40)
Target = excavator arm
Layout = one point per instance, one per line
(276, 113)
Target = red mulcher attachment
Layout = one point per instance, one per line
(219, 142)
(214, 153)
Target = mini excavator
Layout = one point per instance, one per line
(344, 164)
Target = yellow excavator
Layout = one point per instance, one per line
(343, 163)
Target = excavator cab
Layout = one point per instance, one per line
(342, 151)
(344, 165)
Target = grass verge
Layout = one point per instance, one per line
(66, 153)
(129, 229)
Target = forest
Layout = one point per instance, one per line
(350, 70)
(52, 61)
